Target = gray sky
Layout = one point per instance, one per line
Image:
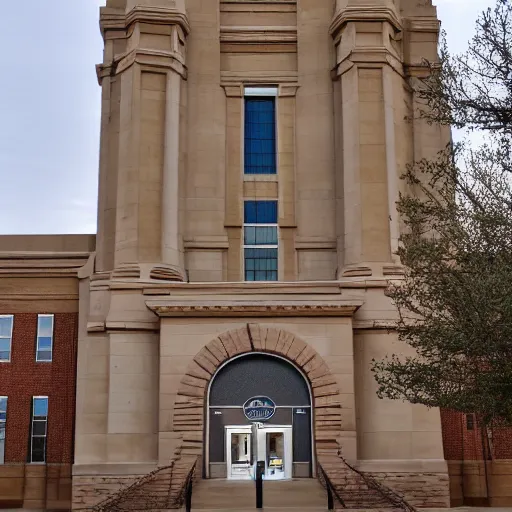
(50, 109)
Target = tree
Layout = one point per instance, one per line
(455, 301)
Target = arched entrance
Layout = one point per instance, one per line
(191, 404)
(259, 408)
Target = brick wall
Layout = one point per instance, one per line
(461, 443)
(23, 378)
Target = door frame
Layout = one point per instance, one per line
(228, 431)
(287, 431)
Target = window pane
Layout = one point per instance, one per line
(39, 428)
(266, 236)
(40, 406)
(250, 235)
(260, 136)
(44, 343)
(260, 212)
(5, 344)
(38, 449)
(5, 326)
(45, 326)
(5, 355)
(264, 263)
(3, 403)
(44, 355)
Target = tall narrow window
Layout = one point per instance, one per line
(6, 323)
(260, 130)
(39, 429)
(260, 240)
(3, 419)
(44, 344)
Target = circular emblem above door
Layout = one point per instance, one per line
(259, 408)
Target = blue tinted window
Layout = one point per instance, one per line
(40, 406)
(260, 212)
(260, 136)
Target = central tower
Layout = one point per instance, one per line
(251, 152)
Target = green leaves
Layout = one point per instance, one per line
(455, 301)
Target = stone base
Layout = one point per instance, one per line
(96, 482)
(422, 490)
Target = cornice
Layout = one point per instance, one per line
(368, 13)
(248, 308)
(116, 19)
(423, 24)
(45, 264)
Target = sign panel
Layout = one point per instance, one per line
(259, 408)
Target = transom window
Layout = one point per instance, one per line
(260, 241)
(6, 324)
(44, 348)
(260, 155)
(3, 419)
(39, 429)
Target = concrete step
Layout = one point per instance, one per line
(298, 494)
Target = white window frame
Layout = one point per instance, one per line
(9, 338)
(4, 425)
(38, 359)
(259, 92)
(32, 436)
(266, 246)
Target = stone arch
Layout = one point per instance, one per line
(190, 404)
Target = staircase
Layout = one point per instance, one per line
(298, 495)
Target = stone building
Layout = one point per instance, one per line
(233, 298)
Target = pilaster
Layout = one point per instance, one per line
(369, 75)
(142, 75)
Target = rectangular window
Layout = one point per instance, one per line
(260, 240)
(39, 429)
(3, 419)
(260, 156)
(470, 424)
(44, 346)
(6, 323)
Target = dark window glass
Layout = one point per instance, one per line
(470, 422)
(260, 212)
(260, 136)
(38, 449)
(261, 264)
(39, 428)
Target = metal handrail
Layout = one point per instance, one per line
(188, 487)
(331, 490)
(386, 492)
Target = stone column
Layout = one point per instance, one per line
(369, 76)
(147, 234)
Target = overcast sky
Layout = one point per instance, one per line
(50, 109)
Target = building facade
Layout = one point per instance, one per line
(233, 299)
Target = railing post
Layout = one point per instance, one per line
(188, 496)
(260, 469)
(330, 499)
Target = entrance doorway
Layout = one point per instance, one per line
(272, 444)
(259, 409)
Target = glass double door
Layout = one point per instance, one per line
(245, 445)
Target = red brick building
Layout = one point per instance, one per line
(38, 355)
(466, 447)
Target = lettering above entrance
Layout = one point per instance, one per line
(259, 408)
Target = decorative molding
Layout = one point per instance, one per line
(251, 308)
(116, 19)
(423, 24)
(368, 13)
(258, 35)
(240, 78)
(314, 244)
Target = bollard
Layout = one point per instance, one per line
(260, 470)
